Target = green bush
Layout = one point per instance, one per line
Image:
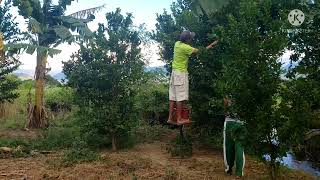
(59, 98)
(151, 100)
(56, 138)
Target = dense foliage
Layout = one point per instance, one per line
(8, 24)
(103, 74)
(151, 100)
(246, 64)
(304, 75)
(10, 30)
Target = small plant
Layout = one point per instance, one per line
(170, 174)
(146, 133)
(181, 146)
(79, 153)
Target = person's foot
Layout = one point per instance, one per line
(170, 121)
(229, 172)
(183, 121)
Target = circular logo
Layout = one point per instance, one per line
(296, 17)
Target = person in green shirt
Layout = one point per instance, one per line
(179, 81)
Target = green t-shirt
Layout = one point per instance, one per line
(181, 55)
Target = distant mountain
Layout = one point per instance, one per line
(156, 68)
(24, 74)
(59, 76)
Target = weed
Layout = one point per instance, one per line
(170, 174)
(56, 138)
(79, 153)
(181, 146)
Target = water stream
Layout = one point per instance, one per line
(306, 166)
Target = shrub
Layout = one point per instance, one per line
(59, 99)
(56, 138)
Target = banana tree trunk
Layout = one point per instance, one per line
(2, 54)
(38, 118)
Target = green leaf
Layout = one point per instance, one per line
(30, 49)
(62, 32)
(87, 12)
(34, 26)
(78, 25)
(65, 3)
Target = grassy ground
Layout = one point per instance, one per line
(148, 160)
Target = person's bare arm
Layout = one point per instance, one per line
(212, 44)
(195, 50)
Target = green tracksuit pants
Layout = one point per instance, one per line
(232, 148)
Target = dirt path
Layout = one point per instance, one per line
(145, 161)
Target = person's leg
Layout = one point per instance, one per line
(228, 148)
(179, 112)
(171, 110)
(172, 99)
(240, 159)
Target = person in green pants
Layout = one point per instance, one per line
(233, 135)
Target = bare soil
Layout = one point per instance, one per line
(144, 161)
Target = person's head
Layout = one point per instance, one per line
(227, 101)
(229, 108)
(187, 36)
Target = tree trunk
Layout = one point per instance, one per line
(273, 169)
(312, 133)
(181, 132)
(114, 142)
(2, 54)
(38, 118)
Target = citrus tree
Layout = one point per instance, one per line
(104, 74)
(8, 32)
(253, 36)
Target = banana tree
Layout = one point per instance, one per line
(48, 26)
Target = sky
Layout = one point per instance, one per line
(144, 11)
